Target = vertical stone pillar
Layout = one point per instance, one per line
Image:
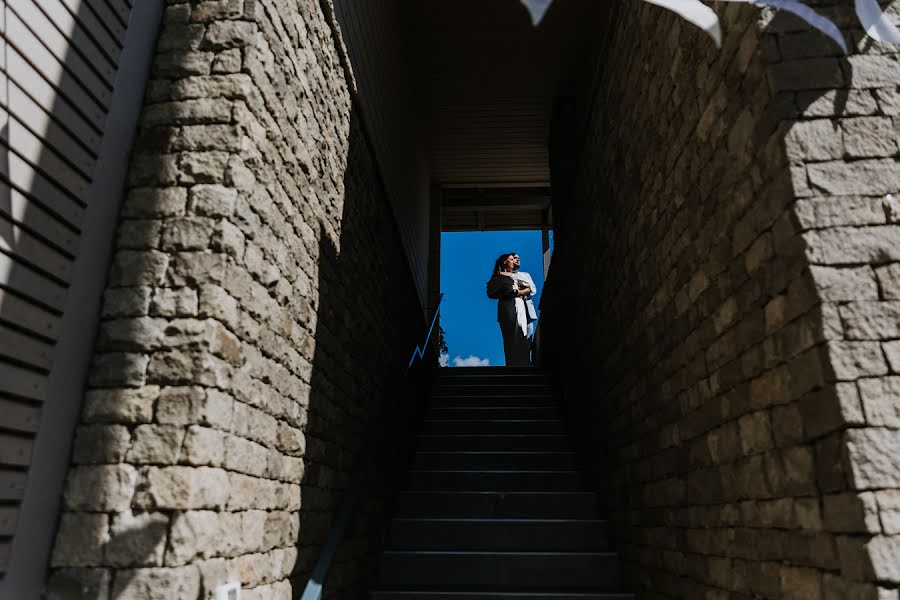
(243, 350)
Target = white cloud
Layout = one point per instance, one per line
(444, 360)
(471, 361)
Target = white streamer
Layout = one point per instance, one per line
(876, 23)
(537, 9)
(823, 24)
(696, 13)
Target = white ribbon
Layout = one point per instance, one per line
(823, 24)
(872, 18)
(876, 23)
(696, 13)
(537, 9)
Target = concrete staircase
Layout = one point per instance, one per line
(494, 506)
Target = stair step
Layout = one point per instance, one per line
(498, 534)
(497, 505)
(493, 443)
(493, 427)
(489, 412)
(494, 461)
(517, 379)
(537, 400)
(550, 595)
(597, 571)
(490, 390)
(462, 371)
(495, 481)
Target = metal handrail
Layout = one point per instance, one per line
(313, 590)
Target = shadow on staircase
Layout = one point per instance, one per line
(494, 506)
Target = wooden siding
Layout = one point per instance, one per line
(375, 35)
(61, 70)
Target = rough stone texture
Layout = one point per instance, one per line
(730, 370)
(258, 310)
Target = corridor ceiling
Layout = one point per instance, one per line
(489, 79)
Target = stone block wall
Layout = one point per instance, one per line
(730, 371)
(258, 311)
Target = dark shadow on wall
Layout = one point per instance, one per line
(615, 364)
(368, 320)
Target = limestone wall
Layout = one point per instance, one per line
(729, 368)
(257, 315)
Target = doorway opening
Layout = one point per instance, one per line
(468, 316)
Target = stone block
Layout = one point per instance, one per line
(197, 268)
(866, 137)
(835, 211)
(204, 446)
(137, 334)
(178, 583)
(195, 406)
(100, 488)
(100, 444)
(821, 103)
(791, 471)
(229, 239)
(871, 458)
(830, 409)
(213, 200)
(80, 540)
(884, 550)
(889, 100)
(852, 360)
(176, 368)
(838, 588)
(837, 284)
(892, 352)
(871, 320)
(154, 202)
(229, 34)
(182, 488)
(227, 61)
(245, 456)
(880, 398)
(78, 584)
(174, 302)
(787, 425)
(126, 302)
(807, 74)
(889, 510)
(153, 170)
(140, 234)
(127, 406)
(755, 432)
(889, 281)
(851, 513)
(156, 444)
(194, 534)
(816, 140)
(873, 71)
(138, 268)
(798, 583)
(291, 440)
(136, 539)
(870, 176)
(188, 233)
(203, 167)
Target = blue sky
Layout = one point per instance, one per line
(468, 316)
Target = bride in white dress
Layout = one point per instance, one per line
(513, 289)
